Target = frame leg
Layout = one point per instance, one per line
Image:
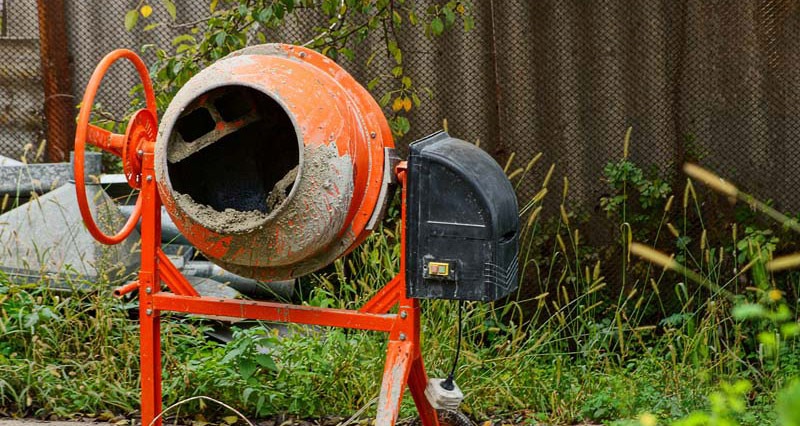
(150, 358)
(395, 375)
(150, 282)
(417, 381)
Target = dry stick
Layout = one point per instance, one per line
(359, 412)
(179, 403)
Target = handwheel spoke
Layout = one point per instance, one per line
(105, 140)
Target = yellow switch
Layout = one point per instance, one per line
(439, 268)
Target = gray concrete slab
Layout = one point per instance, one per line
(46, 237)
(22, 179)
(5, 161)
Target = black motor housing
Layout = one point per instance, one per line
(462, 223)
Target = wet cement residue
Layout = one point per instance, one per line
(224, 222)
(281, 190)
(235, 221)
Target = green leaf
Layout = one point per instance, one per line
(400, 125)
(182, 48)
(469, 23)
(177, 67)
(182, 38)
(246, 394)
(149, 27)
(406, 82)
(372, 83)
(131, 18)
(213, 6)
(412, 17)
(266, 361)
(405, 126)
(371, 58)
(31, 320)
(437, 26)
(279, 11)
(347, 53)
(449, 16)
(328, 7)
(220, 38)
(171, 9)
(385, 100)
(246, 367)
(264, 15)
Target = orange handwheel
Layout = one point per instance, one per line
(141, 132)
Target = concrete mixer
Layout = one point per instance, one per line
(274, 162)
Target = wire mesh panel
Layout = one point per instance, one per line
(96, 27)
(21, 95)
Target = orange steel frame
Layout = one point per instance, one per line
(404, 365)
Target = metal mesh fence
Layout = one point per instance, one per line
(21, 95)
(96, 27)
(709, 81)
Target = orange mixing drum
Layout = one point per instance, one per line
(274, 161)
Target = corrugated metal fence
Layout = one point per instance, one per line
(711, 80)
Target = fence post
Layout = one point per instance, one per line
(57, 80)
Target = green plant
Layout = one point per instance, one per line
(343, 26)
(573, 348)
(636, 197)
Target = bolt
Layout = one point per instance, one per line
(302, 54)
(148, 290)
(150, 312)
(140, 152)
(373, 135)
(403, 315)
(402, 336)
(149, 178)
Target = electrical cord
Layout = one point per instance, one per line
(449, 383)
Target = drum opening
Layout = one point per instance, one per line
(234, 147)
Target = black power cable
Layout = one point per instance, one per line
(449, 383)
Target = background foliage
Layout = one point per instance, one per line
(234, 24)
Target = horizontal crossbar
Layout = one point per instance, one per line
(271, 311)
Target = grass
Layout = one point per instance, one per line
(655, 344)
